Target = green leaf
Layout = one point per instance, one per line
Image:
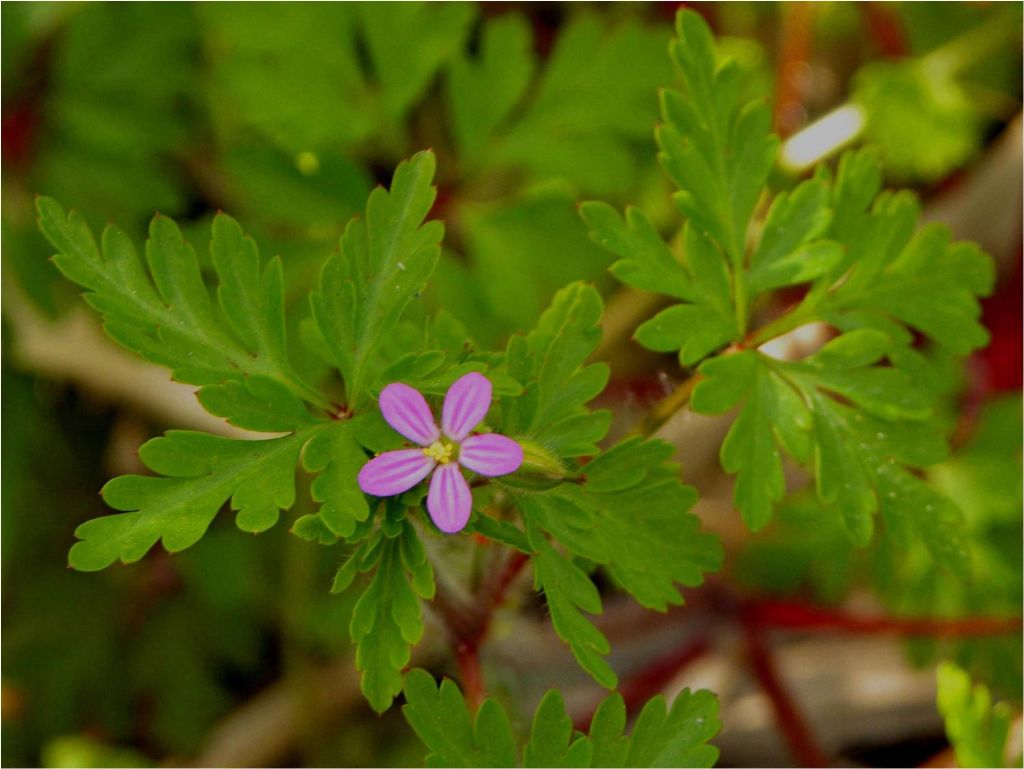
(707, 323)
(382, 263)
(877, 475)
(552, 742)
(500, 531)
(199, 474)
(677, 737)
(772, 415)
(257, 403)
(408, 43)
(794, 219)
(355, 78)
(840, 474)
(387, 619)
(674, 736)
(854, 349)
(483, 92)
(646, 262)
(920, 279)
(163, 311)
(336, 455)
(920, 117)
(804, 264)
(441, 719)
(568, 591)
(594, 98)
(313, 529)
(549, 362)
(977, 728)
(716, 152)
(631, 516)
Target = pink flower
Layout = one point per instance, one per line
(443, 451)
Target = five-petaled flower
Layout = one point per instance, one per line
(443, 451)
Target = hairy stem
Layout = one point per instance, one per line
(469, 622)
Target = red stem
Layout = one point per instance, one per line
(801, 741)
(803, 616)
(467, 658)
(469, 633)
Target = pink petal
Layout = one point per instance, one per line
(491, 454)
(406, 410)
(394, 472)
(449, 501)
(465, 405)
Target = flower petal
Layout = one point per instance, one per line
(394, 472)
(406, 410)
(491, 454)
(465, 405)
(449, 501)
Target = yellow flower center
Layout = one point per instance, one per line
(441, 452)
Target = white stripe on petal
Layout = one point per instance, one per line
(491, 454)
(465, 405)
(449, 501)
(406, 410)
(394, 472)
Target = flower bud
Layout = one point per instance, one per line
(541, 469)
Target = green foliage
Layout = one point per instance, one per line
(922, 119)
(569, 592)
(549, 362)
(977, 728)
(388, 618)
(661, 736)
(75, 751)
(864, 455)
(630, 512)
(200, 473)
(859, 412)
(333, 95)
(928, 113)
(288, 120)
(163, 311)
(236, 348)
(595, 95)
(807, 549)
(380, 266)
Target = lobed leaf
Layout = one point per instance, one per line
(163, 312)
(382, 263)
(662, 736)
(199, 473)
(978, 729)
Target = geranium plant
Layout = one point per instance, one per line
(519, 471)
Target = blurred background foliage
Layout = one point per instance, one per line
(286, 116)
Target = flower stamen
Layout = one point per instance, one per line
(440, 452)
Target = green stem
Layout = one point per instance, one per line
(782, 325)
